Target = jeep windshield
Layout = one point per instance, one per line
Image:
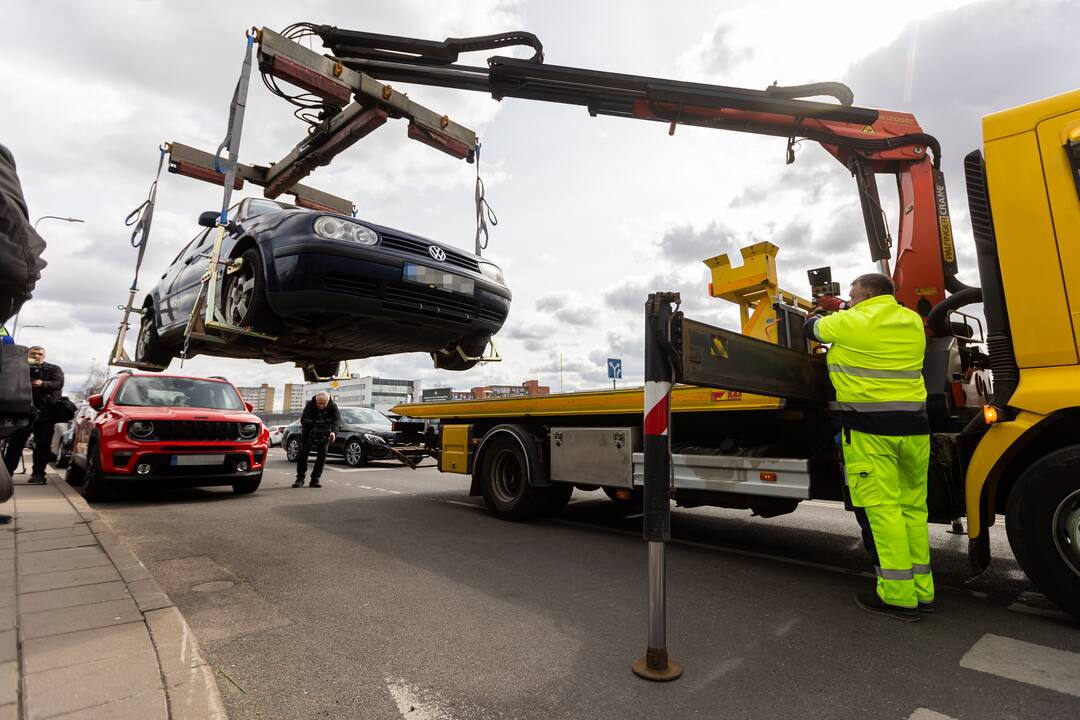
(364, 416)
(145, 391)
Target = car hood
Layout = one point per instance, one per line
(166, 413)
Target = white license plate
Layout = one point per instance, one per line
(424, 275)
(198, 460)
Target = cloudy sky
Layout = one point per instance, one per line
(593, 212)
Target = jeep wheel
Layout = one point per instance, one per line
(292, 449)
(74, 475)
(94, 487)
(148, 347)
(246, 487)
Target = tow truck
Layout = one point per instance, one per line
(1004, 403)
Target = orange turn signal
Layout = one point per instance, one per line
(622, 494)
(990, 414)
(767, 476)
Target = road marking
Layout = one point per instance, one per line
(366, 487)
(353, 470)
(1025, 662)
(925, 714)
(412, 706)
(1034, 603)
(631, 517)
(833, 504)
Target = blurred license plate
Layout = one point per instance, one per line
(424, 275)
(198, 460)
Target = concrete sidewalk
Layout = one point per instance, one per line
(85, 631)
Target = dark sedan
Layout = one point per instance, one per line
(327, 287)
(365, 434)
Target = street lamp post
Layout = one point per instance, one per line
(15, 322)
(15, 334)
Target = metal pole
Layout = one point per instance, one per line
(655, 664)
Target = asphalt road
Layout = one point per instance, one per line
(389, 593)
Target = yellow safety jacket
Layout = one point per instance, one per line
(875, 365)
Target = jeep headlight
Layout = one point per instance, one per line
(492, 272)
(336, 228)
(375, 439)
(141, 429)
(249, 430)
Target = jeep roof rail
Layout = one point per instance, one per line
(218, 377)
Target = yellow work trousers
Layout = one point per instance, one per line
(886, 478)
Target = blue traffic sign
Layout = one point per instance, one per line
(614, 368)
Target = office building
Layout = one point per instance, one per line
(379, 393)
(293, 398)
(262, 397)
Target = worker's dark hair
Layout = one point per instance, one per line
(875, 284)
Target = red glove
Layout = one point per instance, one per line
(830, 303)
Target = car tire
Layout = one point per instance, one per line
(1042, 520)
(243, 296)
(246, 487)
(94, 487)
(74, 475)
(450, 359)
(148, 347)
(292, 449)
(63, 459)
(317, 371)
(355, 453)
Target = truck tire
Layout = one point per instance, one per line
(504, 482)
(1043, 523)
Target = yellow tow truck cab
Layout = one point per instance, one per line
(1015, 453)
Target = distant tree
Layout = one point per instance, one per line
(96, 376)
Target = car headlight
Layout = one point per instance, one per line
(141, 429)
(249, 430)
(375, 439)
(492, 272)
(336, 228)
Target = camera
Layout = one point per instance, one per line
(35, 372)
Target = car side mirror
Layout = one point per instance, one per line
(209, 218)
(249, 406)
(95, 401)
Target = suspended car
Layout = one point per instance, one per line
(326, 287)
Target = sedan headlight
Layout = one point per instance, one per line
(249, 430)
(336, 228)
(141, 429)
(375, 439)
(492, 272)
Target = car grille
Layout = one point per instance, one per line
(172, 430)
(418, 299)
(420, 248)
(350, 285)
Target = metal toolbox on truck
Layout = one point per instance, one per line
(595, 456)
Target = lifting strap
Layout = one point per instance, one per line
(484, 213)
(236, 127)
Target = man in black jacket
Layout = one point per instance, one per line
(319, 424)
(47, 385)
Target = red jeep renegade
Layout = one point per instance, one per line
(167, 429)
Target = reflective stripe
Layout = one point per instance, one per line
(920, 568)
(872, 373)
(888, 406)
(894, 574)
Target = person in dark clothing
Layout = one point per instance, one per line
(47, 384)
(319, 424)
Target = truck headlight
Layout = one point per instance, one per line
(375, 439)
(249, 430)
(336, 228)
(492, 272)
(141, 429)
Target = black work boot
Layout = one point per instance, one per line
(315, 483)
(299, 482)
(36, 479)
(870, 601)
(927, 606)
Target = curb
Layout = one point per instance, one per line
(190, 688)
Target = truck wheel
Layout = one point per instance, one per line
(1043, 522)
(504, 482)
(94, 487)
(246, 487)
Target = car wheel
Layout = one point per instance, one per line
(316, 371)
(94, 487)
(246, 487)
(63, 459)
(1042, 520)
(292, 449)
(354, 453)
(243, 298)
(148, 347)
(74, 475)
(450, 359)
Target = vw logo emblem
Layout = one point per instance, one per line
(437, 252)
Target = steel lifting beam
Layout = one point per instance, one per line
(348, 120)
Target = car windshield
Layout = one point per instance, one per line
(144, 391)
(258, 206)
(364, 416)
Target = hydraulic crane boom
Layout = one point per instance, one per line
(868, 142)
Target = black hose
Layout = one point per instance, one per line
(938, 319)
